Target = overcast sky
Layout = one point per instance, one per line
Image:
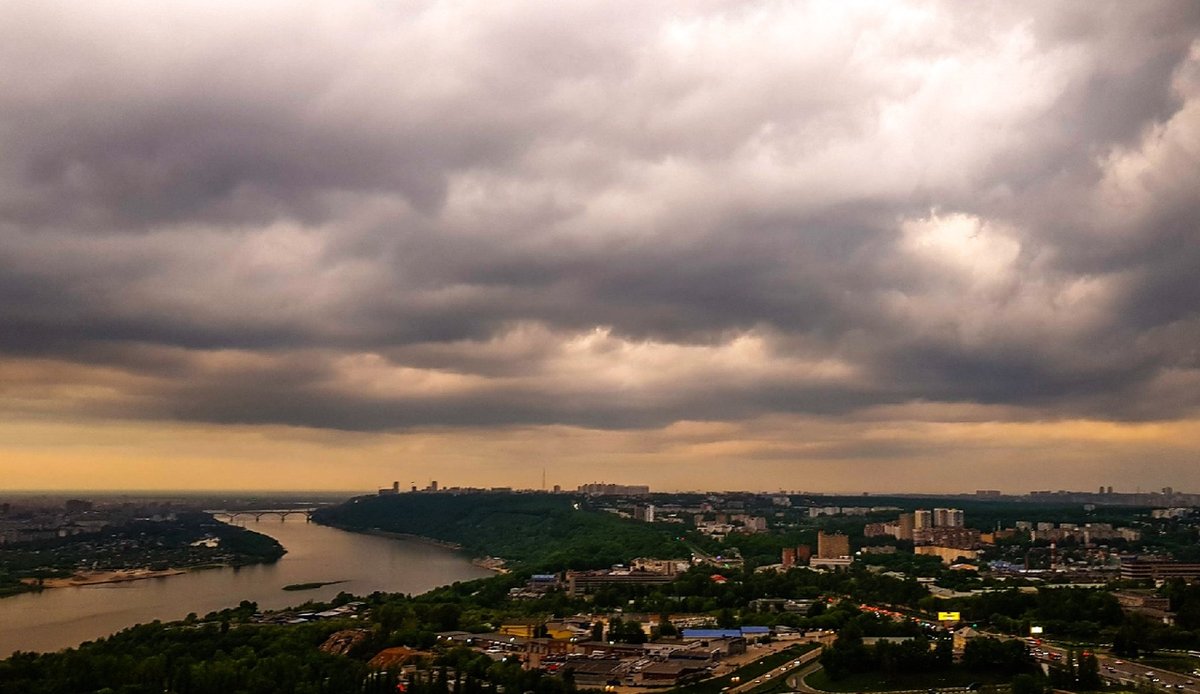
(700, 245)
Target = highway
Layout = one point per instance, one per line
(1112, 668)
(780, 671)
(1118, 670)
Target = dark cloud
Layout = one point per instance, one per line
(612, 215)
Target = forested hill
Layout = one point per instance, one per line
(535, 531)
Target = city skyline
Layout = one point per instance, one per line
(895, 247)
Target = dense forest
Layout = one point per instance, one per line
(537, 531)
(189, 659)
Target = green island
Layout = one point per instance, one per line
(601, 594)
(313, 585)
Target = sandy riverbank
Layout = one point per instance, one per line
(91, 578)
(492, 564)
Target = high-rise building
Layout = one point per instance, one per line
(433, 486)
(644, 513)
(947, 518)
(788, 557)
(832, 545)
(922, 518)
(876, 530)
(904, 527)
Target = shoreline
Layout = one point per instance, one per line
(494, 564)
(410, 537)
(95, 578)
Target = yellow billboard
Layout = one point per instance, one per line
(949, 617)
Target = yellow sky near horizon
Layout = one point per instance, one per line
(769, 453)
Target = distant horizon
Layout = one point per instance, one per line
(564, 490)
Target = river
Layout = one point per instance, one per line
(62, 617)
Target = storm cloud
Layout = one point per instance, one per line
(373, 216)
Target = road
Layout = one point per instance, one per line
(780, 671)
(1119, 670)
(797, 683)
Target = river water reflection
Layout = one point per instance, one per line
(63, 617)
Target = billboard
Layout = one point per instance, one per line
(949, 617)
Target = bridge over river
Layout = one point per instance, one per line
(258, 513)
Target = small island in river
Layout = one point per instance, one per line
(311, 586)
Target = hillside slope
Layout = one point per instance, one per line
(535, 531)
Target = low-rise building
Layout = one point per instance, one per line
(948, 555)
(1142, 570)
(832, 563)
(671, 673)
(1146, 603)
(584, 582)
(593, 673)
(962, 636)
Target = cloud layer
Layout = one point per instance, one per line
(386, 216)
